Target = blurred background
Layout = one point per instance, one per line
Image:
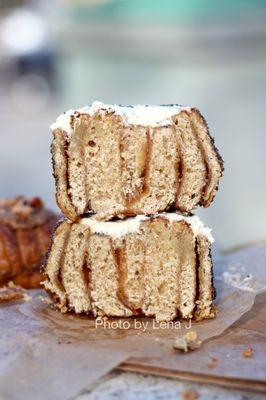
(56, 55)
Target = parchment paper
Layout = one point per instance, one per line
(44, 354)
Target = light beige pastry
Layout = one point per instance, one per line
(122, 161)
(156, 266)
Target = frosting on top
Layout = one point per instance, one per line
(145, 115)
(120, 228)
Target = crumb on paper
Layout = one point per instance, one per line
(248, 352)
(190, 395)
(12, 292)
(213, 362)
(26, 297)
(187, 342)
(201, 315)
(46, 300)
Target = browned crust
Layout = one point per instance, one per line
(29, 279)
(59, 276)
(44, 232)
(61, 175)
(214, 293)
(207, 202)
(29, 248)
(11, 262)
(197, 297)
(178, 168)
(181, 163)
(200, 312)
(203, 156)
(59, 282)
(86, 183)
(22, 247)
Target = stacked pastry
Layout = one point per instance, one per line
(127, 179)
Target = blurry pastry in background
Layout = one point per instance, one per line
(25, 230)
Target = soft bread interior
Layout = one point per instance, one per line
(162, 173)
(103, 163)
(104, 278)
(135, 153)
(113, 169)
(77, 170)
(162, 271)
(152, 271)
(131, 264)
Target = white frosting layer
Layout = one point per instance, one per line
(120, 228)
(145, 115)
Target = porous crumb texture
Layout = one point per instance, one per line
(111, 168)
(163, 269)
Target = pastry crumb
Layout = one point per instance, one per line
(46, 300)
(248, 352)
(12, 292)
(26, 297)
(213, 362)
(187, 342)
(190, 395)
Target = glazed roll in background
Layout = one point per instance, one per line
(25, 233)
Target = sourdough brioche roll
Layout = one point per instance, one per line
(156, 266)
(123, 161)
(25, 230)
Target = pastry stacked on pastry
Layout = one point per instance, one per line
(25, 230)
(127, 179)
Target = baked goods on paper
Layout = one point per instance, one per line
(156, 266)
(25, 230)
(123, 161)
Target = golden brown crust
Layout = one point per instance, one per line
(206, 293)
(25, 229)
(211, 187)
(59, 148)
(60, 300)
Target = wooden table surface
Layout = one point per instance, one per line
(130, 385)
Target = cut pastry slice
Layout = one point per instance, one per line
(154, 266)
(123, 161)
